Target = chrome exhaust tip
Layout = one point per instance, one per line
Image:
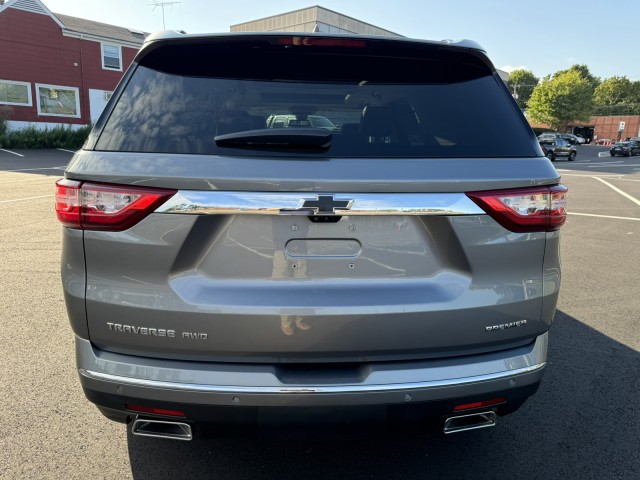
(146, 427)
(473, 421)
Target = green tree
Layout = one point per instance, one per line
(614, 91)
(521, 84)
(635, 92)
(584, 72)
(5, 115)
(561, 99)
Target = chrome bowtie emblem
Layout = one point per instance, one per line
(326, 205)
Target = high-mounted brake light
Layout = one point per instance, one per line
(92, 206)
(321, 42)
(536, 209)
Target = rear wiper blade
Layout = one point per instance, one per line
(278, 138)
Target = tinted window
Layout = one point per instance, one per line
(379, 105)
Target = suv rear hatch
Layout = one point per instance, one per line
(273, 248)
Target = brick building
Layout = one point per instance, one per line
(603, 127)
(609, 126)
(56, 69)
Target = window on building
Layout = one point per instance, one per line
(58, 101)
(111, 57)
(15, 93)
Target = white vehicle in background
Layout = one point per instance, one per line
(569, 137)
(292, 121)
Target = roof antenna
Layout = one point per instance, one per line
(162, 5)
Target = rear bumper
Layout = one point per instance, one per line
(114, 380)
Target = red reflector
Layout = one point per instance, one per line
(484, 403)
(537, 209)
(321, 42)
(91, 206)
(157, 411)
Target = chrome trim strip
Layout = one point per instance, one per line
(291, 203)
(332, 389)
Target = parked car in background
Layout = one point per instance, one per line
(573, 139)
(569, 137)
(299, 121)
(548, 136)
(558, 147)
(625, 149)
(404, 267)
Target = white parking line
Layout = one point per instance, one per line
(604, 216)
(24, 199)
(615, 166)
(12, 153)
(616, 189)
(605, 163)
(620, 177)
(65, 150)
(46, 178)
(31, 169)
(613, 175)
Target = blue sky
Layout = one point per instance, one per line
(543, 35)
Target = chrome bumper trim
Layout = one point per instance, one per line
(330, 389)
(292, 203)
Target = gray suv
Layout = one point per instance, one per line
(402, 267)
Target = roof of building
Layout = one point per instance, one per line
(98, 29)
(74, 26)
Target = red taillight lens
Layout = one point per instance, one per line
(537, 209)
(117, 208)
(68, 202)
(93, 206)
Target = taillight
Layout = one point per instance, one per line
(536, 209)
(68, 202)
(92, 206)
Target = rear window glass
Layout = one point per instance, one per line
(376, 103)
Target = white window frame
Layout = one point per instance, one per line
(29, 97)
(119, 47)
(58, 87)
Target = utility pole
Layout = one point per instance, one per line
(158, 3)
(515, 88)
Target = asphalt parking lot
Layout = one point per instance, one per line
(583, 423)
